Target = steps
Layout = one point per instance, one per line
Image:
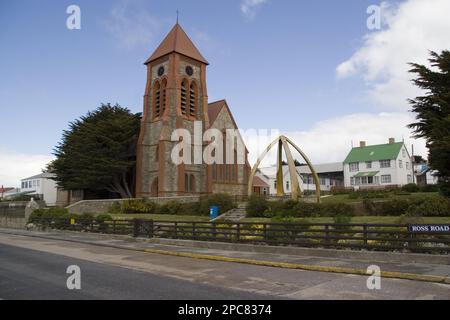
(236, 214)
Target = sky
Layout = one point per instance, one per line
(313, 70)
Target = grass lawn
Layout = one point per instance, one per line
(166, 217)
(343, 198)
(360, 219)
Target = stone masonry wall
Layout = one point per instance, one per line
(102, 206)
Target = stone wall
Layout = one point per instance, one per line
(103, 206)
(15, 214)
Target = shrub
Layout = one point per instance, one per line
(411, 187)
(336, 209)
(429, 188)
(223, 200)
(256, 206)
(137, 206)
(395, 207)
(170, 207)
(430, 207)
(341, 190)
(444, 188)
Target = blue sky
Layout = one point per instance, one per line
(275, 61)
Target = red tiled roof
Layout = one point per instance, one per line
(258, 182)
(177, 41)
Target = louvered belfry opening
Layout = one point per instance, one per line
(156, 99)
(163, 96)
(192, 99)
(183, 97)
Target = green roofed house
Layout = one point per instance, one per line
(379, 165)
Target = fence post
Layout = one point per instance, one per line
(365, 235)
(175, 231)
(327, 235)
(136, 223)
(150, 228)
(214, 231)
(265, 232)
(238, 232)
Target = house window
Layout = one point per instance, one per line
(407, 165)
(400, 164)
(287, 185)
(363, 180)
(34, 183)
(23, 185)
(357, 181)
(385, 163)
(353, 167)
(368, 164)
(386, 178)
(275, 184)
(323, 181)
(29, 184)
(352, 181)
(403, 153)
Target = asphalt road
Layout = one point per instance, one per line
(30, 274)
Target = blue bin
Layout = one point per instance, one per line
(213, 212)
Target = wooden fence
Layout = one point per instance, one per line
(383, 237)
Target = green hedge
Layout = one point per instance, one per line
(418, 206)
(173, 207)
(259, 207)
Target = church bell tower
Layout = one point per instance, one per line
(175, 97)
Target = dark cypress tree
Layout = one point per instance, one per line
(433, 113)
(98, 151)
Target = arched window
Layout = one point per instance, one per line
(183, 97)
(156, 99)
(192, 99)
(163, 96)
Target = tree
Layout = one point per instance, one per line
(98, 151)
(433, 112)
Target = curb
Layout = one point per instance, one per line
(286, 265)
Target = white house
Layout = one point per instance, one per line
(378, 165)
(425, 176)
(330, 174)
(41, 185)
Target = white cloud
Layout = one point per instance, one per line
(15, 166)
(131, 24)
(331, 140)
(249, 7)
(410, 30)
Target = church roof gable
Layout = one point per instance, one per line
(177, 41)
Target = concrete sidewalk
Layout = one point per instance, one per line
(437, 267)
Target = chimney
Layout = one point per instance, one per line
(362, 144)
(391, 140)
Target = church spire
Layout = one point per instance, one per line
(177, 41)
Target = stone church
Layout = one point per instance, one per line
(175, 97)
